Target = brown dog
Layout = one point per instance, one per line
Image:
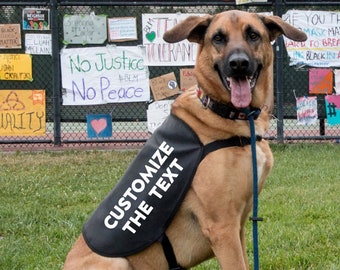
(234, 70)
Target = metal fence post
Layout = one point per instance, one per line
(56, 73)
(279, 46)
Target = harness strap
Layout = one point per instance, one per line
(233, 141)
(170, 254)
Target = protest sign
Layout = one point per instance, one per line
(157, 112)
(187, 78)
(322, 48)
(164, 86)
(84, 29)
(16, 67)
(122, 29)
(22, 112)
(99, 125)
(99, 75)
(320, 81)
(38, 44)
(10, 36)
(161, 53)
(306, 110)
(332, 103)
(337, 81)
(35, 19)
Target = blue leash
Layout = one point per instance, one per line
(251, 116)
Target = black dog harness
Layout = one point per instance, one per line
(137, 212)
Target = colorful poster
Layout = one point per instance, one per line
(84, 29)
(10, 36)
(164, 86)
(22, 112)
(16, 67)
(38, 44)
(320, 81)
(306, 110)
(35, 19)
(122, 29)
(322, 48)
(157, 112)
(99, 125)
(332, 103)
(161, 53)
(99, 75)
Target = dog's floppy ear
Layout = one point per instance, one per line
(276, 27)
(192, 28)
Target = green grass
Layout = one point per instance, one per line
(46, 197)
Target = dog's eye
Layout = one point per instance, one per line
(219, 38)
(253, 36)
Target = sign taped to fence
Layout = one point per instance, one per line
(99, 125)
(122, 29)
(320, 81)
(322, 48)
(84, 29)
(161, 53)
(100, 75)
(22, 112)
(10, 36)
(35, 19)
(306, 110)
(332, 103)
(38, 44)
(16, 67)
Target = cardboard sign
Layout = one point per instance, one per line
(38, 44)
(35, 19)
(306, 110)
(164, 86)
(10, 36)
(333, 109)
(16, 67)
(22, 112)
(187, 78)
(100, 75)
(122, 29)
(84, 29)
(99, 125)
(320, 81)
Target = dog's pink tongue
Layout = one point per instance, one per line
(240, 93)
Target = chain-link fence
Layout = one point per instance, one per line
(66, 125)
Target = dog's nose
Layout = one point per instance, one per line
(239, 62)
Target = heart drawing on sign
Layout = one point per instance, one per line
(151, 36)
(98, 125)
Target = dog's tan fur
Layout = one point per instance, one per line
(211, 219)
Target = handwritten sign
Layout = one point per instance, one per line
(164, 86)
(99, 75)
(38, 44)
(337, 81)
(332, 103)
(187, 78)
(16, 67)
(35, 19)
(122, 29)
(322, 48)
(157, 112)
(22, 112)
(10, 36)
(306, 110)
(320, 81)
(84, 29)
(241, 2)
(161, 53)
(99, 125)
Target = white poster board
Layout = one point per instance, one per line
(38, 44)
(99, 75)
(161, 53)
(322, 48)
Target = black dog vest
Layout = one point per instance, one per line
(138, 210)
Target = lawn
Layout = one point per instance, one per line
(46, 197)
